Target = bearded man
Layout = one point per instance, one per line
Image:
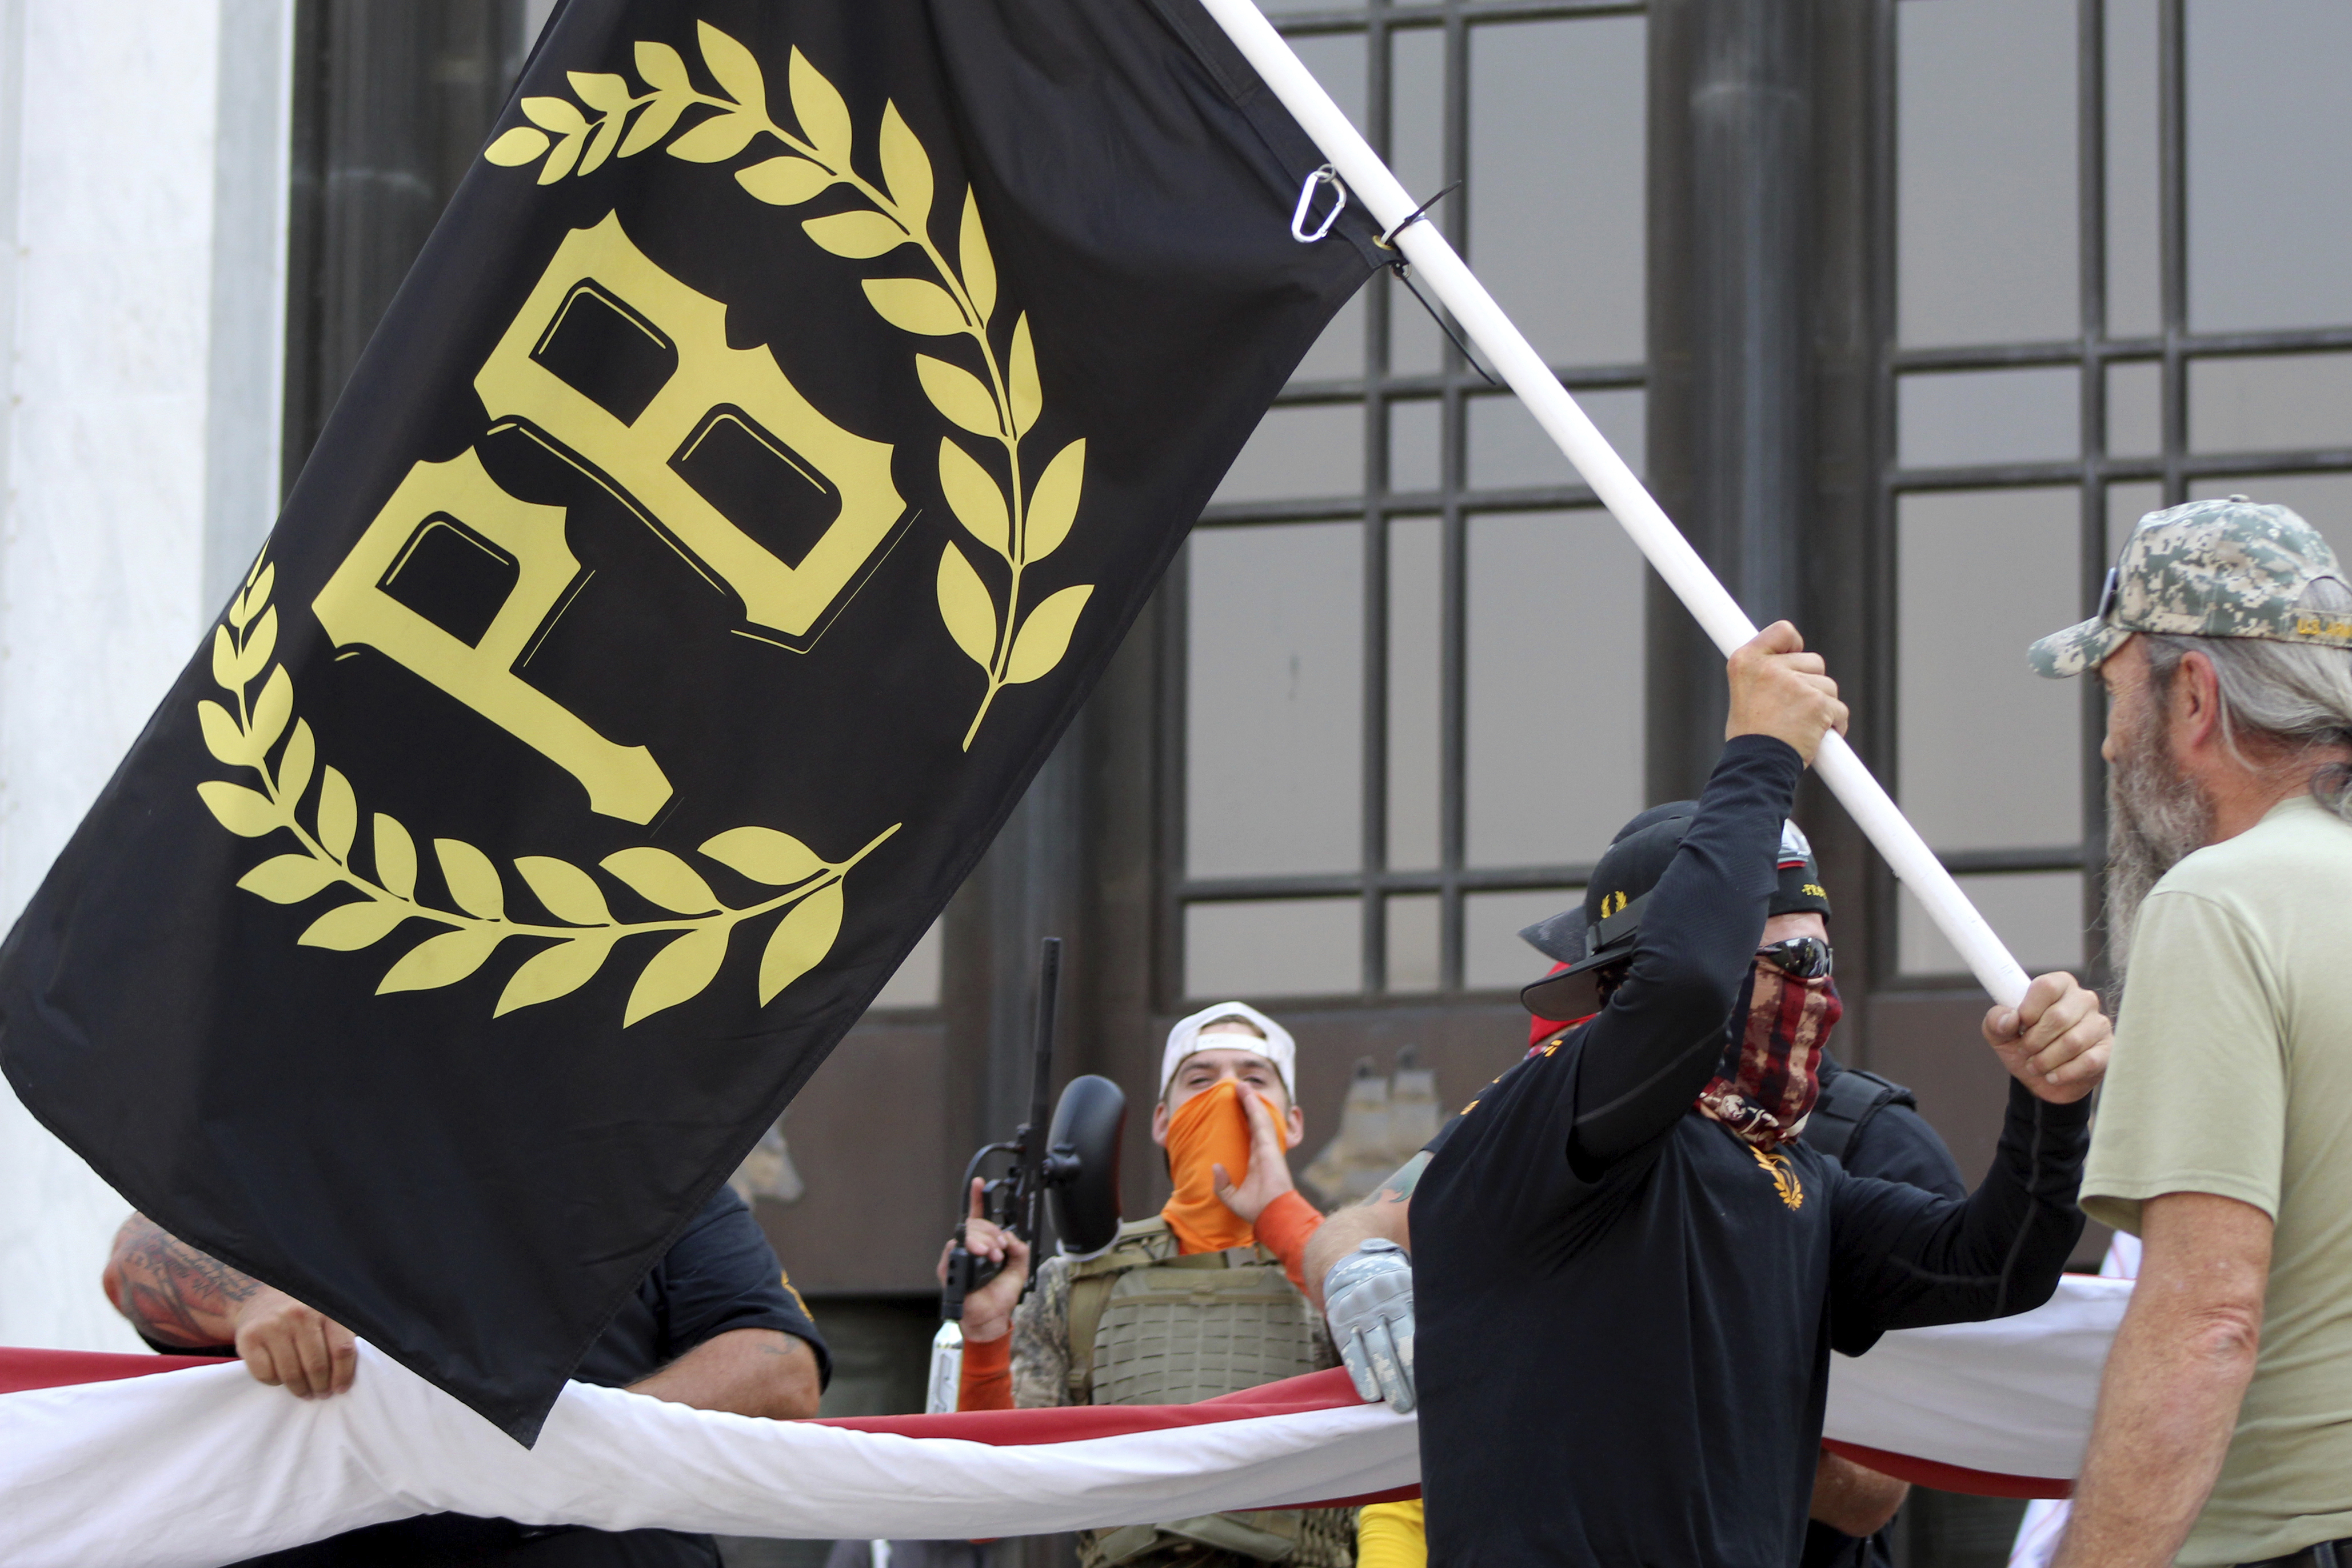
(2224, 1427)
(1630, 1267)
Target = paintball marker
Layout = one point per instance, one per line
(1075, 1159)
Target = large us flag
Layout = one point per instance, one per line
(207, 1466)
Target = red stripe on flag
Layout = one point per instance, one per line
(1329, 1390)
(21, 1370)
(1071, 1423)
(1950, 1478)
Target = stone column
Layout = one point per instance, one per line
(1730, 389)
(141, 194)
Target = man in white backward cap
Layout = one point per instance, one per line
(1199, 1300)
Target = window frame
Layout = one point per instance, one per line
(1452, 504)
(2173, 349)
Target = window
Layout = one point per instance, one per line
(2112, 291)
(1412, 704)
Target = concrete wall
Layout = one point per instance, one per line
(143, 179)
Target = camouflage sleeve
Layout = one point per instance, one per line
(1041, 1341)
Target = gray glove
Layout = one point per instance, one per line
(1368, 1299)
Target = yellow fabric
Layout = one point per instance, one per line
(2231, 1075)
(1391, 1535)
(1208, 1130)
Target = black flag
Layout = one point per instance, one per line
(789, 414)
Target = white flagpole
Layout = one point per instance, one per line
(1369, 181)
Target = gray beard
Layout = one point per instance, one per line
(2157, 816)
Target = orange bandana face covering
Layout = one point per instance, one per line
(1211, 1129)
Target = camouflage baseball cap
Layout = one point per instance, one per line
(2231, 567)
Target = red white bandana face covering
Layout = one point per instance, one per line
(1766, 1103)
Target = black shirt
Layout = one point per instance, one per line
(1625, 1311)
(721, 1275)
(1896, 1143)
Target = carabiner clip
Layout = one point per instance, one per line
(1298, 229)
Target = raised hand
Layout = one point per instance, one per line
(1778, 689)
(1269, 1165)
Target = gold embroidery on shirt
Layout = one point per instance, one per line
(1784, 1178)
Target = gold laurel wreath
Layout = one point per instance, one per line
(1020, 526)
(682, 969)
(1785, 1184)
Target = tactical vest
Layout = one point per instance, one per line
(1148, 1327)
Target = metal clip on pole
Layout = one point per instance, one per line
(1326, 175)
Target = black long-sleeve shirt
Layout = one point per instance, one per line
(1626, 1314)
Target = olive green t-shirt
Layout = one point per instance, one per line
(2233, 1075)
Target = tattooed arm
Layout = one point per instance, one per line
(172, 1293)
(1387, 1214)
(175, 1295)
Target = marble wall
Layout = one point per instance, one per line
(142, 195)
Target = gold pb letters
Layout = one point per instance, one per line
(621, 781)
(789, 601)
(639, 447)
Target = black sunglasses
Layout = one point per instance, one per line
(1800, 958)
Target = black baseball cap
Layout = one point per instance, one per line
(1602, 929)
